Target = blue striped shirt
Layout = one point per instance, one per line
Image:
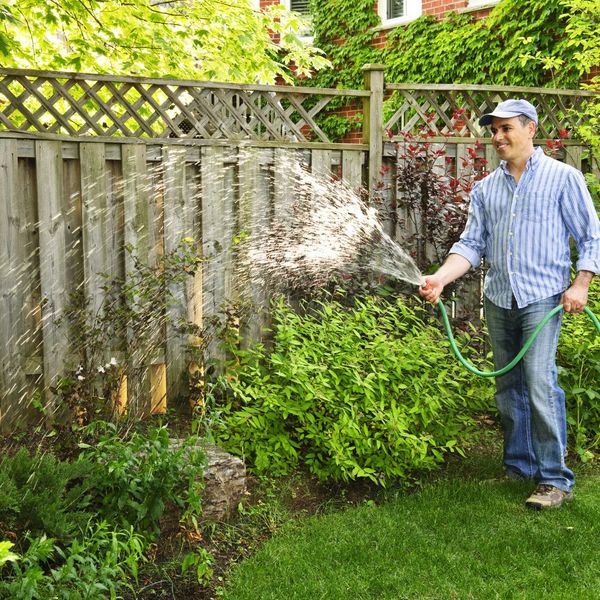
(523, 230)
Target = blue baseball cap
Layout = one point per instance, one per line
(511, 108)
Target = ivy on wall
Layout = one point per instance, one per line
(533, 43)
(344, 30)
(521, 42)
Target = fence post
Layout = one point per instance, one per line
(373, 121)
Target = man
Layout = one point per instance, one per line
(520, 219)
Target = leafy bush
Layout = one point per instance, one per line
(94, 568)
(141, 474)
(579, 374)
(41, 494)
(82, 526)
(369, 391)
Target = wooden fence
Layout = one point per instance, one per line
(91, 165)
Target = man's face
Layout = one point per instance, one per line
(512, 139)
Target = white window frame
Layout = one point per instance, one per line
(414, 9)
(478, 3)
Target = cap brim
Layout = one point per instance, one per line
(487, 119)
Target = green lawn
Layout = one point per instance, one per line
(456, 539)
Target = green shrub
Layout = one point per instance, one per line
(579, 374)
(43, 495)
(367, 391)
(137, 476)
(95, 567)
(82, 526)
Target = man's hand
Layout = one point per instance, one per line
(575, 298)
(431, 289)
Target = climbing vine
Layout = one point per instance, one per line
(535, 43)
(540, 43)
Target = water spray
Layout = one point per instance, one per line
(328, 229)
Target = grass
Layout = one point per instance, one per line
(464, 537)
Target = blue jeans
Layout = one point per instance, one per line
(530, 401)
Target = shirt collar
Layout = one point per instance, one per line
(532, 162)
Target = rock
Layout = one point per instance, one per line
(224, 483)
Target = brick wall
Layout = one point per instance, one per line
(595, 72)
(379, 40)
(438, 8)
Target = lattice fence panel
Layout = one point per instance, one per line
(96, 105)
(454, 111)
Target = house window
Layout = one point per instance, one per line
(299, 6)
(395, 9)
(396, 12)
(302, 7)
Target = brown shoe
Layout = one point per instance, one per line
(547, 496)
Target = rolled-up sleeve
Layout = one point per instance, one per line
(471, 244)
(581, 218)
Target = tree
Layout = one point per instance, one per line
(222, 40)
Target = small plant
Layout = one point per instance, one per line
(139, 475)
(131, 322)
(40, 494)
(199, 562)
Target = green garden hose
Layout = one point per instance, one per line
(519, 356)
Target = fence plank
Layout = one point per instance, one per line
(178, 224)
(96, 224)
(573, 156)
(32, 347)
(138, 234)
(217, 234)
(352, 168)
(284, 164)
(193, 181)
(13, 270)
(102, 219)
(254, 217)
(493, 162)
(321, 162)
(52, 209)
